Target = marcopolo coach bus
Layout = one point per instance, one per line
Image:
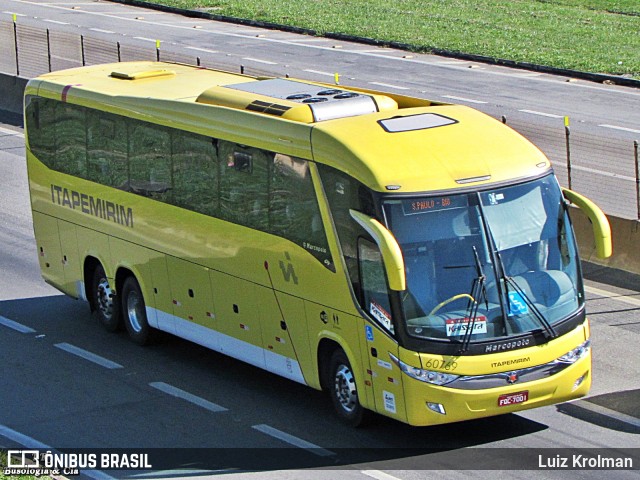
(410, 257)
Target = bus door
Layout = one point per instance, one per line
(379, 331)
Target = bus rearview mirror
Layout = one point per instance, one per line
(389, 248)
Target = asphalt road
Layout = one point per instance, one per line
(67, 383)
(604, 119)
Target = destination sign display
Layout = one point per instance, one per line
(431, 204)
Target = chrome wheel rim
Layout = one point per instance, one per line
(133, 312)
(345, 389)
(105, 299)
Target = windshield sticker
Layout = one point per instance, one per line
(517, 305)
(389, 401)
(380, 314)
(369, 331)
(459, 326)
(494, 198)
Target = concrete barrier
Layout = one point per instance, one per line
(11, 93)
(626, 242)
(625, 233)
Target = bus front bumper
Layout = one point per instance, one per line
(431, 405)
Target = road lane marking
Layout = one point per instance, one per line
(613, 296)
(11, 132)
(378, 475)
(189, 397)
(607, 412)
(100, 30)
(57, 22)
(462, 99)
(32, 443)
(92, 357)
(202, 49)
(624, 129)
(18, 327)
(291, 440)
(542, 114)
(389, 85)
(145, 39)
(319, 72)
(597, 172)
(260, 61)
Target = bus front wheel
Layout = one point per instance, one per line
(343, 391)
(135, 313)
(104, 300)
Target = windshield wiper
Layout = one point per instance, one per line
(478, 290)
(550, 332)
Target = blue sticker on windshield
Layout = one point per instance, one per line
(369, 331)
(517, 305)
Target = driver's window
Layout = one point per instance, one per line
(375, 294)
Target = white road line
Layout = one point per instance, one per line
(18, 327)
(542, 114)
(32, 443)
(607, 412)
(100, 30)
(295, 441)
(613, 296)
(57, 22)
(145, 39)
(462, 99)
(388, 85)
(11, 132)
(16, 14)
(624, 129)
(318, 72)
(378, 475)
(257, 60)
(92, 357)
(176, 392)
(202, 49)
(599, 172)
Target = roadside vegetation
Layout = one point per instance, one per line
(601, 36)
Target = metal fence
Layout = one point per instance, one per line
(604, 168)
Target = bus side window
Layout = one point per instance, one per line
(293, 207)
(375, 294)
(195, 173)
(244, 185)
(40, 120)
(107, 149)
(150, 160)
(71, 140)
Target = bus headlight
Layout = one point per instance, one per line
(576, 354)
(427, 376)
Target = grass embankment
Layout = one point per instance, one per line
(601, 36)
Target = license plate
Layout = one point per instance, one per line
(512, 399)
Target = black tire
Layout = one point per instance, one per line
(342, 390)
(104, 301)
(135, 313)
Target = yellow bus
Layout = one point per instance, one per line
(410, 257)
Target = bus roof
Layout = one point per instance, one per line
(388, 142)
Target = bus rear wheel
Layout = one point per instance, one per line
(135, 313)
(343, 390)
(104, 301)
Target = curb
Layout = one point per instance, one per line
(593, 77)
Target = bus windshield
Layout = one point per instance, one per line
(486, 265)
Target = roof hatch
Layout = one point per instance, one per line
(295, 100)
